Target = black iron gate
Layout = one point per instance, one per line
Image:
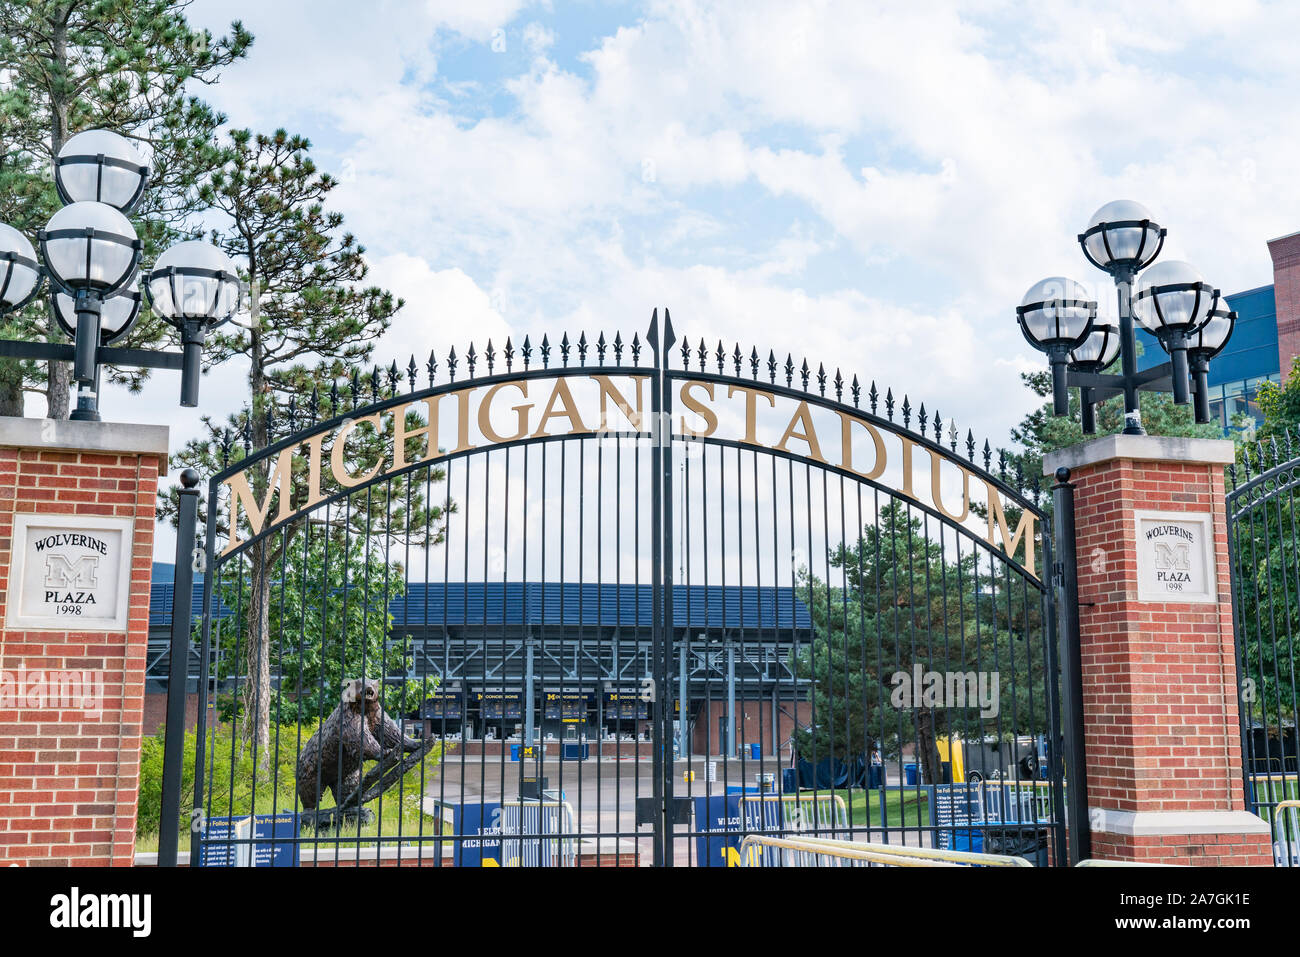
(602, 601)
(1264, 550)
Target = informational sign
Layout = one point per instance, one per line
(479, 826)
(262, 828)
(955, 806)
(567, 706)
(629, 705)
(500, 705)
(1176, 557)
(440, 705)
(69, 573)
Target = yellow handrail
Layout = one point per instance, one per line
(891, 854)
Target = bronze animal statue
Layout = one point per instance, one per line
(356, 731)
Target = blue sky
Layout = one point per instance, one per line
(872, 185)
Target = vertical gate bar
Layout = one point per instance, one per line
(1052, 666)
(1253, 795)
(664, 534)
(1067, 591)
(656, 587)
(178, 660)
(198, 833)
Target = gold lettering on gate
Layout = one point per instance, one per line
(568, 410)
(846, 446)
(751, 409)
(339, 450)
(521, 413)
(278, 484)
(699, 408)
(802, 417)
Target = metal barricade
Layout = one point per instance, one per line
(524, 826)
(797, 813)
(761, 850)
(1285, 822)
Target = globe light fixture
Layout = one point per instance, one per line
(1094, 354)
(117, 316)
(1173, 302)
(194, 287)
(1056, 317)
(91, 254)
(101, 166)
(1202, 346)
(1121, 237)
(20, 273)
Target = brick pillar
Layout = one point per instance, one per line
(1159, 669)
(1286, 293)
(76, 545)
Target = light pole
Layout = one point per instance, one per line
(1172, 302)
(91, 256)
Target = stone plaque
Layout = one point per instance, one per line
(69, 573)
(1176, 559)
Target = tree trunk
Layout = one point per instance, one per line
(929, 751)
(59, 377)
(257, 658)
(11, 388)
(257, 691)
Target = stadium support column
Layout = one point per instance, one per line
(1156, 651)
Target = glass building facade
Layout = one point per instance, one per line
(1250, 360)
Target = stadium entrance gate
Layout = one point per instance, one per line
(626, 601)
(1264, 549)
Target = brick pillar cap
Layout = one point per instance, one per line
(68, 436)
(1142, 448)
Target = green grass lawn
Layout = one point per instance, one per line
(905, 807)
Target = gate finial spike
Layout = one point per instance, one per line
(432, 367)
(925, 421)
(889, 404)
(618, 347)
(873, 395)
(771, 365)
(546, 351)
(582, 348)
(970, 444)
(490, 356)
(821, 378)
(988, 455)
(789, 370)
(669, 336)
(412, 372)
(907, 412)
(703, 355)
(720, 356)
(356, 386)
(393, 377)
(564, 349)
(471, 360)
(527, 352)
(952, 434)
(856, 390)
(686, 354)
(600, 348)
(753, 363)
(1272, 442)
(509, 353)
(636, 349)
(376, 384)
(839, 386)
(737, 359)
(451, 365)
(804, 372)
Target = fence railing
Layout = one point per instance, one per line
(759, 850)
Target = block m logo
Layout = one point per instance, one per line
(61, 573)
(1176, 557)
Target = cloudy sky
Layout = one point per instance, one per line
(871, 185)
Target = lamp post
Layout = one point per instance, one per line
(90, 253)
(1173, 302)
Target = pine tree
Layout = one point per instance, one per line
(125, 65)
(311, 322)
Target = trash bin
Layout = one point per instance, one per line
(514, 752)
(909, 774)
(756, 752)
(789, 780)
(877, 778)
